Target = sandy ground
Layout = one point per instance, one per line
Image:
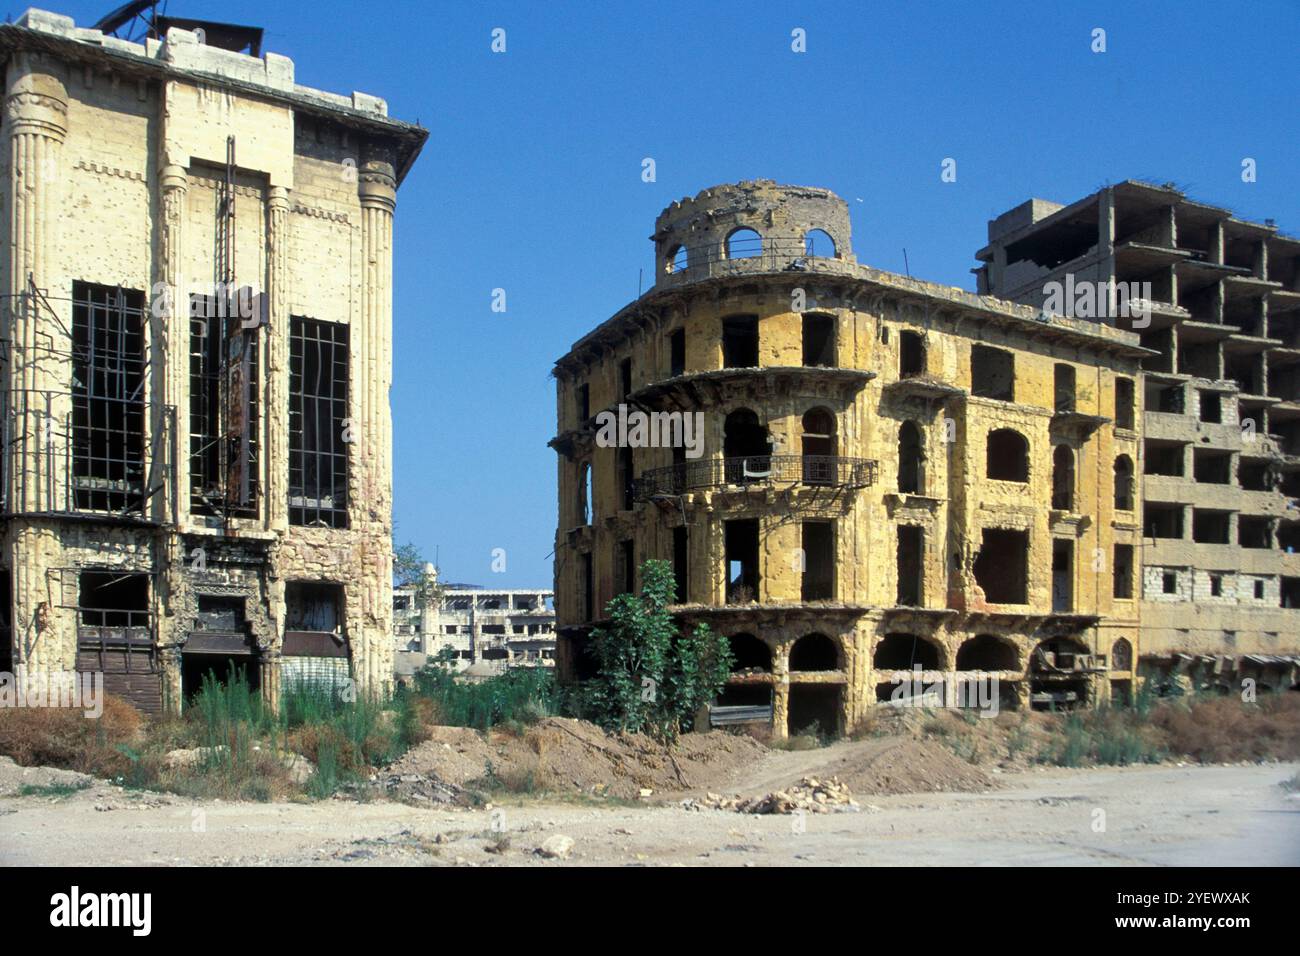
(1210, 816)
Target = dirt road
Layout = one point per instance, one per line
(1233, 815)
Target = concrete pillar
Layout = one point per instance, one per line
(173, 319)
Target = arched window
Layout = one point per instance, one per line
(749, 654)
(1123, 483)
(745, 446)
(586, 494)
(1008, 455)
(818, 243)
(902, 652)
(1063, 478)
(814, 652)
(1121, 655)
(676, 260)
(743, 243)
(911, 456)
(818, 446)
(986, 652)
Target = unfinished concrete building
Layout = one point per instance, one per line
(1219, 459)
(196, 361)
(894, 474)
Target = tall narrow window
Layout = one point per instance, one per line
(1124, 402)
(681, 564)
(223, 410)
(107, 398)
(677, 353)
(318, 406)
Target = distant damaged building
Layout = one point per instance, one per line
(196, 358)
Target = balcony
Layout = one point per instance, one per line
(823, 471)
(750, 256)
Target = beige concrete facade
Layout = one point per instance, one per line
(121, 162)
(893, 473)
(1220, 455)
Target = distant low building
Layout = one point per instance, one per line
(486, 629)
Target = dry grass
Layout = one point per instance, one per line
(65, 737)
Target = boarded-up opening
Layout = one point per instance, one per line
(742, 561)
(1002, 566)
(818, 582)
(740, 341)
(911, 563)
(814, 710)
(897, 652)
(993, 373)
(818, 340)
(814, 652)
(1008, 455)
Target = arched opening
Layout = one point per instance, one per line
(676, 260)
(743, 243)
(1123, 483)
(749, 655)
(745, 446)
(1063, 478)
(911, 455)
(987, 652)
(1121, 655)
(586, 494)
(818, 446)
(898, 652)
(814, 652)
(818, 243)
(1008, 455)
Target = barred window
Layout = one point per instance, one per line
(223, 410)
(318, 408)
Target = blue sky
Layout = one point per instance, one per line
(531, 180)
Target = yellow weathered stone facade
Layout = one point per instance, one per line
(118, 159)
(857, 410)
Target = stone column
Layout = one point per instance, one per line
(36, 125)
(173, 335)
(371, 492)
(276, 343)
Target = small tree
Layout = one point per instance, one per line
(409, 572)
(651, 678)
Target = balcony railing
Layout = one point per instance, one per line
(815, 470)
(740, 255)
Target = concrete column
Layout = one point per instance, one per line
(174, 334)
(276, 344)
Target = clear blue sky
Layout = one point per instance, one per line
(531, 178)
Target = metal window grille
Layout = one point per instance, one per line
(223, 426)
(318, 407)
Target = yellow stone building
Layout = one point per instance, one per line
(196, 362)
(893, 474)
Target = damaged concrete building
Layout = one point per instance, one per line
(1220, 451)
(487, 630)
(196, 360)
(895, 475)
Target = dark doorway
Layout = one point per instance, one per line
(222, 669)
(911, 479)
(814, 652)
(898, 652)
(911, 575)
(818, 340)
(818, 582)
(742, 561)
(740, 341)
(814, 710)
(1002, 566)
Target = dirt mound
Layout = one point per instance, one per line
(909, 766)
(810, 794)
(559, 755)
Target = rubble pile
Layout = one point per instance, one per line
(811, 794)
